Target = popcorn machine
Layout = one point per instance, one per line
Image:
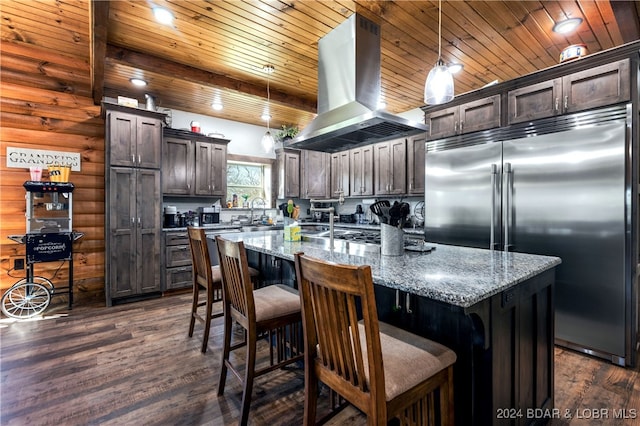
(49, 238)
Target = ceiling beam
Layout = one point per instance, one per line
(153, 63)
(98, 28)
(626, 13)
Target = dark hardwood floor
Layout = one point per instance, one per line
(133, 364)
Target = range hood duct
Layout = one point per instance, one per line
(349, 92)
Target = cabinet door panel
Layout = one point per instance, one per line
(599, 86)
(415, 165)
(361, 170)
(149, 143)
(535, 101)
(480, 115)
(340, 173)
(443, 123)
(122, 138)
(288, 177)
(203, 168)
(122, 231)
(177, 168)
(381, 164)
(219, 170)
(315, 174)
(398, 167)
(149, 230)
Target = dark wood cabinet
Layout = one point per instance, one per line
(177, 261)
(595, 87)
(210, 169)
(481, 114)
(193, 164)
(133, 139)
(340, 173)
(504, 347)
(134, 230)
(390, 165)
(361, 170)
(315, 174)
(133, 223)
(177, 166)
(415, 164)
(288, 173)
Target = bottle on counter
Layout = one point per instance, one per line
(235, 200)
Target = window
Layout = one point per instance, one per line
(248, 181)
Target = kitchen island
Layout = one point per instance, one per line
(494, 309)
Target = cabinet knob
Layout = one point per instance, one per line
(557, 105)
(566, 102)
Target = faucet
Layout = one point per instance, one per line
(264, 203)
(330, 210)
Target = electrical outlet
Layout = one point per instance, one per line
(18, 264)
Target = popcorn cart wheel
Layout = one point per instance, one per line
(27, 297)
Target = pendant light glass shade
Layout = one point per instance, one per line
(267, 142)
(439, 86)
(438, 89)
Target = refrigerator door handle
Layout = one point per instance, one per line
(508, 187)
(494, 181)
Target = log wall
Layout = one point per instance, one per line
(46, 103)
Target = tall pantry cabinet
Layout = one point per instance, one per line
(133, 201)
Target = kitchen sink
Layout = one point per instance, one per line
(255, 228)
(342, 246)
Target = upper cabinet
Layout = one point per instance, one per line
(390, 165)
(599, 86)
(135, 139)
(193, 164)
(361, 170)
(340, 173)
(477, 115)
(315, 174)
(415, 164)
(210, 169)
(288, 173)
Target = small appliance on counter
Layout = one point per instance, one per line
(170, 217)
(209, 215)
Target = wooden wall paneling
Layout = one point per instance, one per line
(46, 104)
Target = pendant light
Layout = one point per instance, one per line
(267, 139)
(438, 88)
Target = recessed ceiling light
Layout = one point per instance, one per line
(163, 16)
(382, 105)
(455, 68)
(216, 106)
(269, 69)
(566, 26)
(138, 82)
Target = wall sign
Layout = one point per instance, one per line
(25, 158)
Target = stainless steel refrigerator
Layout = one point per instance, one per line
(558, 187)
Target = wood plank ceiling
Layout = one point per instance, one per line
(215, 50)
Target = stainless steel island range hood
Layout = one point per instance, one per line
(349, 92)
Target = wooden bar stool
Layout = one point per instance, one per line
(207, 278)
(272, 311)
(384, 371)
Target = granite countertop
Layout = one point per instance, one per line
(460, 276)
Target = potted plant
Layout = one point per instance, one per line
(287, 132)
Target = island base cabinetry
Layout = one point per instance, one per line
(504, 346)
